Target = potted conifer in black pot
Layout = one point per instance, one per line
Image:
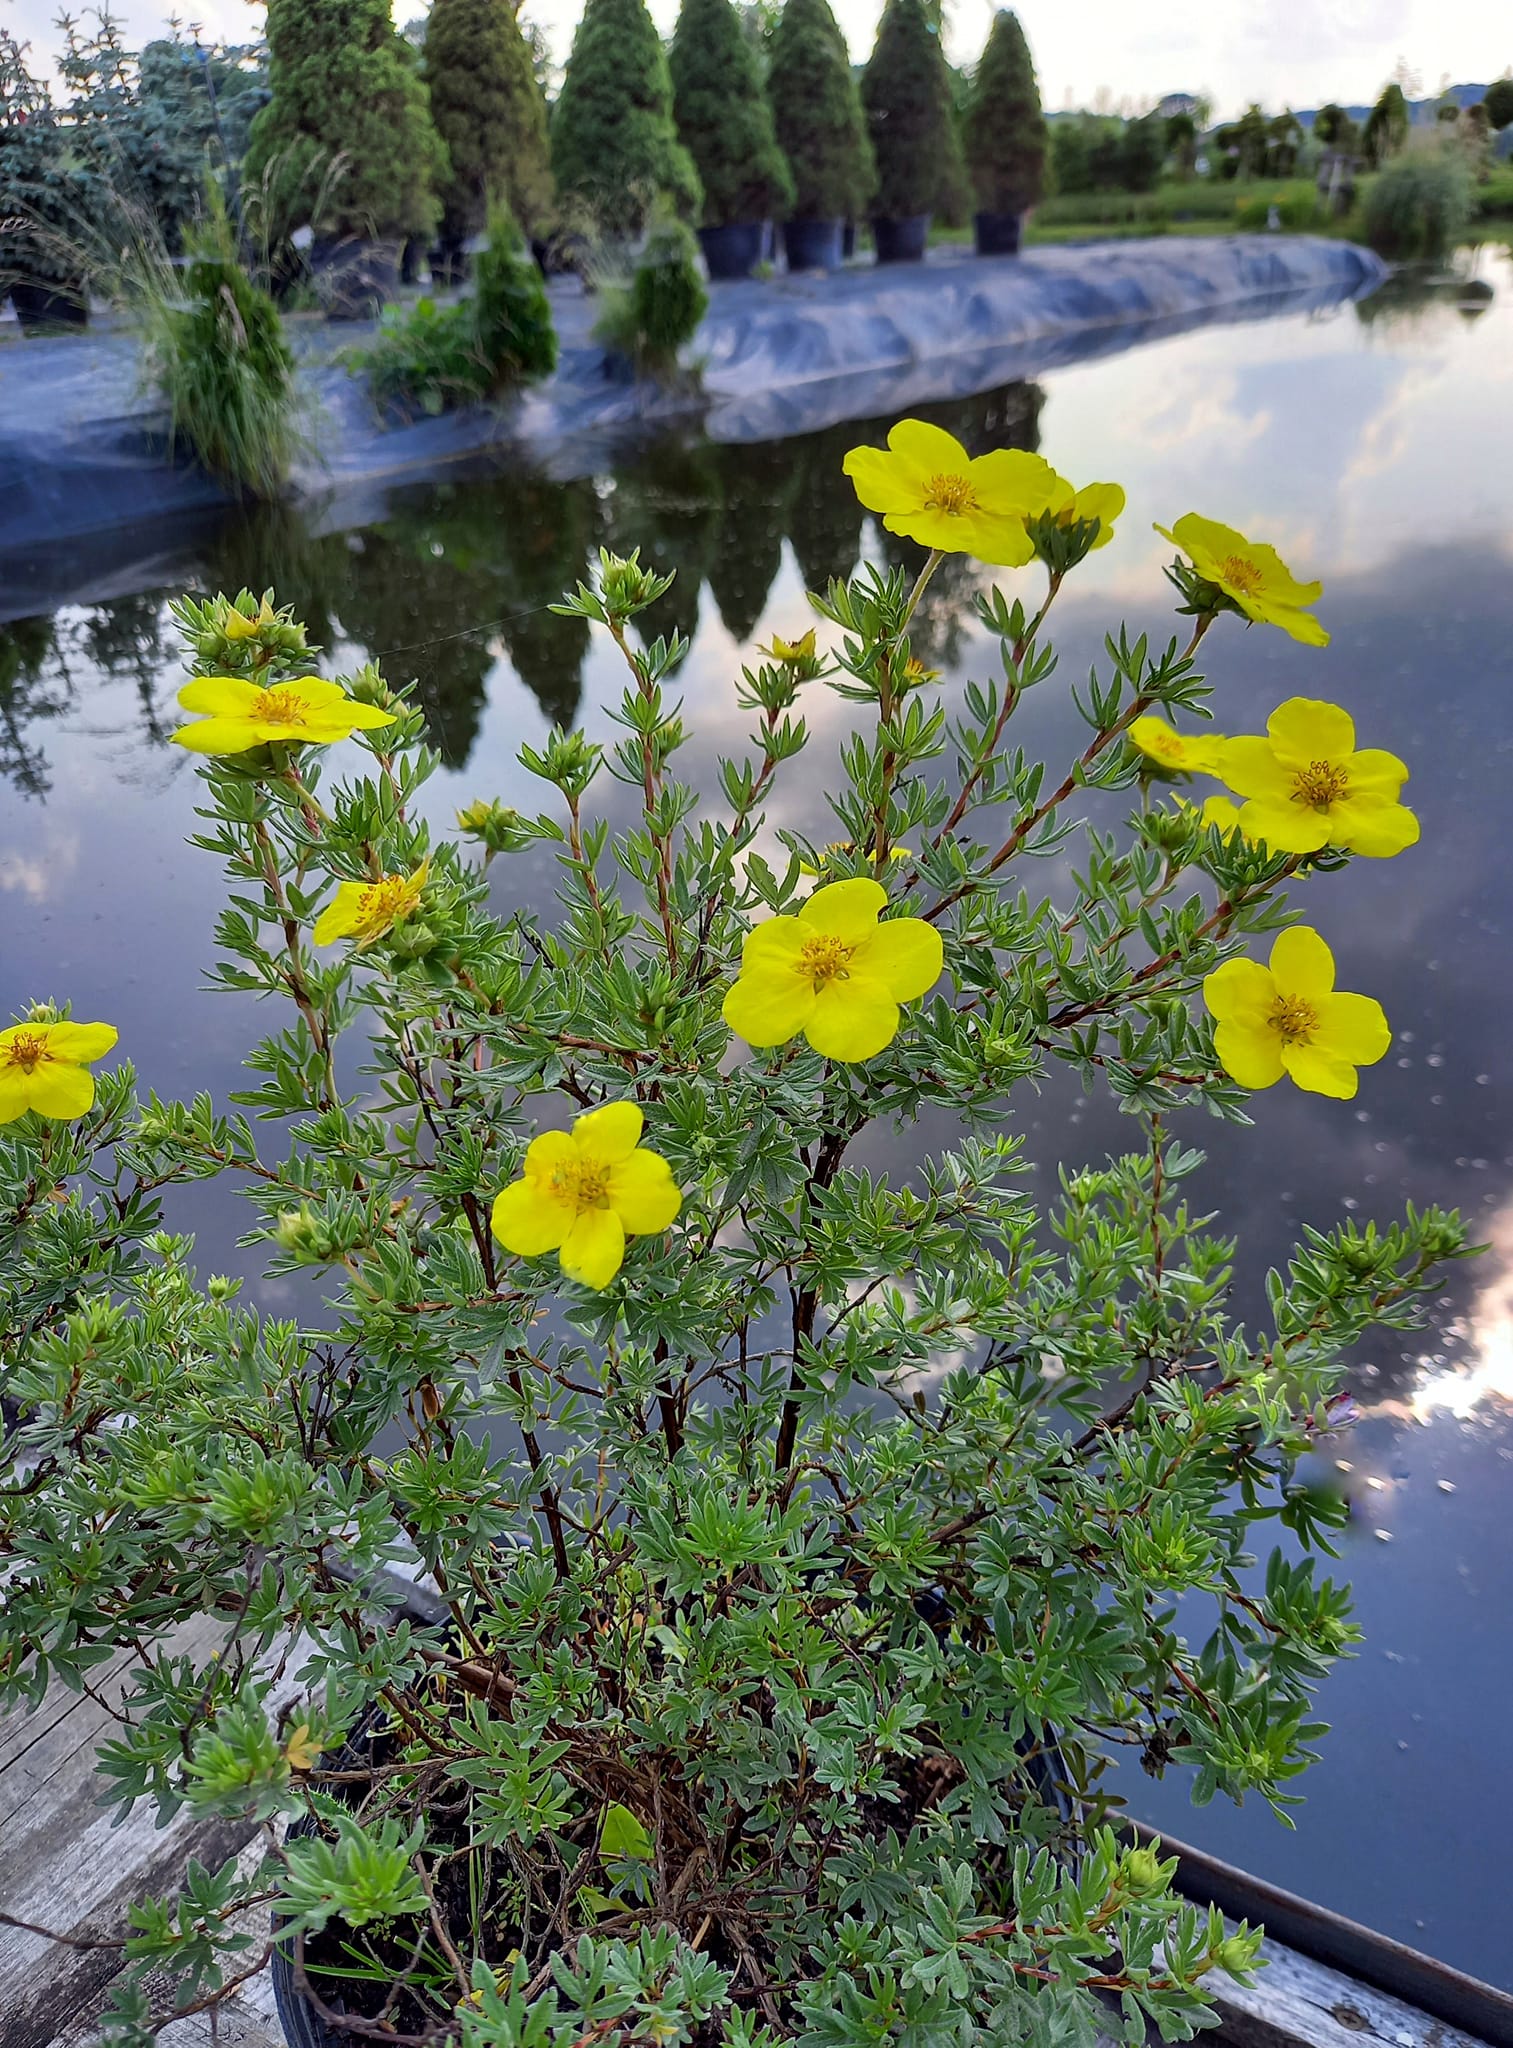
(906, 91)
(822, 132)
(490, 113)
(44, 203)
(1005, 138)
(725, 123)
(615, 150)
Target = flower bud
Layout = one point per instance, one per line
(1141, 1873)
(301, 1232)
(495, 825)
(1235, 1954)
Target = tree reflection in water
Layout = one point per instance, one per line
(463, 571)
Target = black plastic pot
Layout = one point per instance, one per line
(848, 241)
(998, 233)
(41, 308)
(734, 250)
(901, 240)
(812, 244)
(449, 263)
(353, 277)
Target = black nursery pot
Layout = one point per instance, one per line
(998, 233)
(901, 240)
(353, 276)
(812, 244)
(734, 250)
(42, 308)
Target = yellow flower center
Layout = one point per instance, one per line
(382, 902)
(1240, 573)
(1293, 1020)
(582, 1182)
(283, 706)
(952, 495)
(823, 958)
(1320, 784)
(27, 1051)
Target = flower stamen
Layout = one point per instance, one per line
(284, 705)
(1320, 784)
(823, 959)
(1241, 572)
(952, 495)
(1293, 1020)
(581, 1182)
(27, 1051)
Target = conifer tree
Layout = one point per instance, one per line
(614, 146)
(1005, 128)
(817, 112)
(348, 130)
(906, 91)
(723, 116)
(490, 114)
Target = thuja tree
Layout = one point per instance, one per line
(906, 93)
(1387, 125)
(1005, 132)
(802, 1531)
(821, 127)
(347, 141)
(489, 112)
(723, 116)
(615, 148)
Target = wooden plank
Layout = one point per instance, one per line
(1297, 2003)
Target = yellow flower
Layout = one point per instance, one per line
(1254, 575)
(302, 1749)
(240, 714)
(1218, 810)
(833, 973)
(1288, 1018)
(1095, 504)
(586, 1190)
(1177, 753)
(238, 626)
(930, 490)
(45, 1067)
(364, 911)
(1307, 786)
(844, 846)
(798, 650)
(916, 674)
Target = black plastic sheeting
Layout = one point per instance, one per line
(91, 495)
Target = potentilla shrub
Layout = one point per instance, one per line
(804, 1534)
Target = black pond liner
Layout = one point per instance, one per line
(304, 2027)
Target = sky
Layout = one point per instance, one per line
(1281, 52)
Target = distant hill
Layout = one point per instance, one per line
(1421, 110)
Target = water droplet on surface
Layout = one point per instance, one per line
(1445, 1485)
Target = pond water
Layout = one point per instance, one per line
(1373, 444)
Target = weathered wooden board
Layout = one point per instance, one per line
(1296, 2003)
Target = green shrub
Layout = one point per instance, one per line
(1387, 125)
(489, 112)
(219, 361)
(1494, 196)
(906, 93)
(1298, 209)
(1419, 207)
(346, 142)
(1498, 101)
(723, 117)
(1005, 128)
(430, 358)
(817, 110)
(615, 149)
(47, 191)
(658, 312)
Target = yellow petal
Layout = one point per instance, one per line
(547, 1150)
(1301, 964)
(999, 540)
(527, 1221)
(846, 910)
(1373, 828)
(61, 1091)
(610, 1132)
(1306, 729)
(1240, 992)
(341, 916)
(1103, 502)
(904, 954)
(217, 736)
(221, 696)
(878, 481)
(1320, 1072)
(80, 1043)
(1298, 625)
(1205, 542)
(1277, 580)
(643, 1193)
(1250, 767)
(1014, 480)
(1375, 772)
(767, 1006)
(15, 1094)
(929, 450)
(852, 1019)
(775, 942)
(366, 717)
(1249, 1054)
(594, 1249)
(1284, 826)
(1219, 811)
(1354, 1028)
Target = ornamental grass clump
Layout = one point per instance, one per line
(803, 1528)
